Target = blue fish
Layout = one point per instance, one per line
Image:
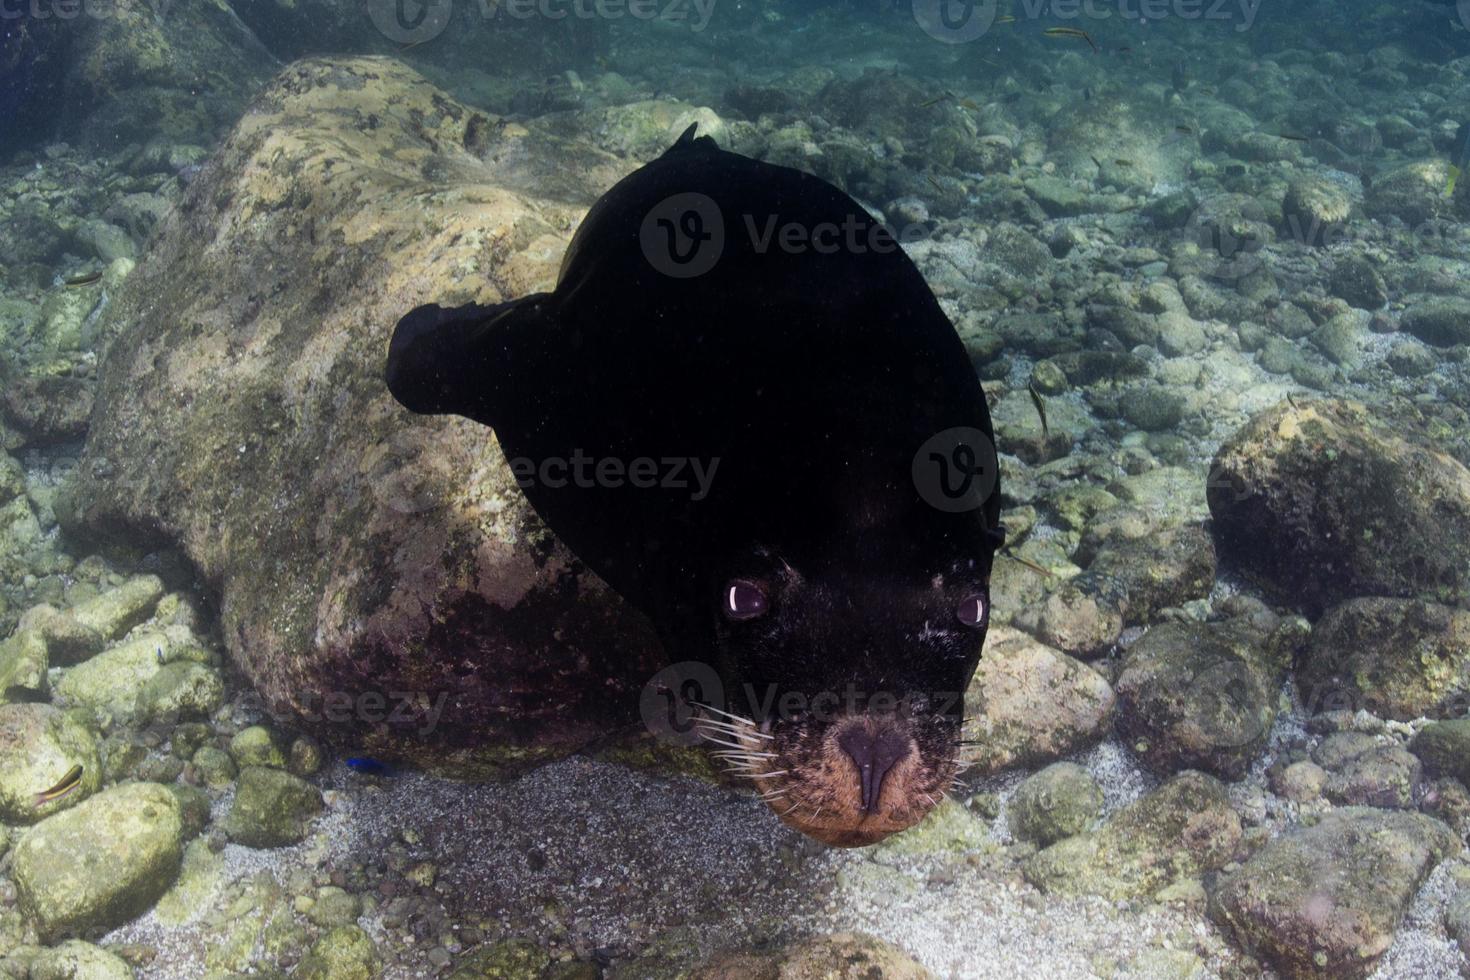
(369, 766)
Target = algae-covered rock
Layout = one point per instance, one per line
(1183, 829)
(1439, 320)
(24, 660)
(1321, 502)
(40, 745)
(181, 690)
(1444, 748)
(1384, 776)
(1061, 800)
(1029, 704)
(100, 863)
(1324, 901)
(112, 681)
(68, 641)
(359, 551)
(514, 959)
(1457, 919)
(342, 953)
(112, 613)
(1413, 193)
(77, 960)
(272, 808)
(258, 746)
(839, 956)
(1202, 695)
(1399, 658)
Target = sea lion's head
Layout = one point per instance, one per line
(845, 681)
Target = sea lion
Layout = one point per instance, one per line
(742, 407)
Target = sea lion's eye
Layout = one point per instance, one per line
(744, 599)
(971, 611)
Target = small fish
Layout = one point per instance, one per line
(1086, 94)
(1005, 19)
(1123, 163)
(935, 101)
(1294, 138)
(934, 183)
(970, 104)
(1041, 569)
(159, 652)
(1040, 409)
(1076, 32)
(369, 766)
(1098, 162)
(83, 280)
(66, 787)
(1184, 130)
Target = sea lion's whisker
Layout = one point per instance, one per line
(768, 775)
(709, 707)
(793, 807)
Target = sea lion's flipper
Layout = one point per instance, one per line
(689, 141)
(460, 361)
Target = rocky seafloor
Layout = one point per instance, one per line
(1223, 734)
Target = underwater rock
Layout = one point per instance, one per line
(1029, 704)
(1183, 829)
(101, 863)
(1439, 320)
(1340, 339)
(75, 959)
(1399, 658)
(342, 953)
(258, 746)
(180, 690)
(39, 746)
(112, 681)
(839, 956)
(1324, 901)
(272, 808)
(112, 613)
(23, 665)
(1152, 408)
(1315, 211)
(135, 75)
(67, 640)
(1057, 802)
(1319, 502)
(1356, 281)
(47, 410)
(1413, 193)
(1202, 695)
(1383, 776)
(1457, 919)
(381, 560)
(1444, 747)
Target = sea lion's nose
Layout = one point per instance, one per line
(874, 755)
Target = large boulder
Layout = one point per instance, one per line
(1324, 901)
(100, 863)
(380, 575)
(1320, 502)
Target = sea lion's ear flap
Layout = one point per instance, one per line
(452, 361)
